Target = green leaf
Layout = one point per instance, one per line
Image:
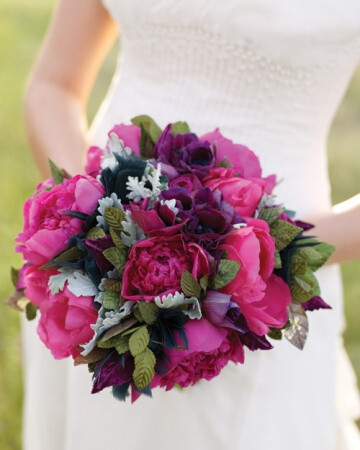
(114, 342)
(116, 257)
(149, 312)
(116, 238)
(298, 263)
(122, 345)
(110, 300)
(227, 271)
(131, 330)
(56, 172)
(270, 214)
(114, 217)
(144, 368)
(69, 255)
(304, 287)
(95, 233)
(325, 251)
(284, 233)
(111, 284)
(204, 282)
(225, 163)
(139, 340)
(14, 276)
(189, 285)
(30, 311)
(278, 263)
(299, 326)
(149, 125)
(275, 333)
(180, 128)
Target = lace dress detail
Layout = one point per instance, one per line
(270, 75)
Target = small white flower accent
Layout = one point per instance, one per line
(137, 188)
(114, 146)
(112, 201)
(177, 299)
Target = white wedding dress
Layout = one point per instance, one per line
(271, 75)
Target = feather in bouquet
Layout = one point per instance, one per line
(165, 260)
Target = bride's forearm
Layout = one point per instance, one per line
(56, 126)
(341, 227)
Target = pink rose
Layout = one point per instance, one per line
(243, 194)
(46, 229)
(210, 350)
(254, 286)
(188, 181)
(155, 266)
(65, 319)
(243, 160)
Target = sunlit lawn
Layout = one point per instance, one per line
(22, 24)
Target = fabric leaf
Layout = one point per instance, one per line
(116, 257)
(110, 300)
(148, 311)
(56, 173)
(139, 340)
(189, 285)
(114, 217)
(284, 233)
(227, 271)
(144, 368)
(180, 128)
(95, 233)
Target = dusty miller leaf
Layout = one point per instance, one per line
(299, 326)
(189, 285)
(81, 285)
(228, 270)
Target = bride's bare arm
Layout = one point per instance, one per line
(341, 228)
(79, 36)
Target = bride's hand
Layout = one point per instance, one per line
(78, 38)
(341, 227)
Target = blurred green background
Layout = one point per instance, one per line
(22, 26)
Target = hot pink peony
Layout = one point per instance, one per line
(263, 298)
(210, 350)
(65, 319)
(244, 160)
(46, 229)
(155, 266)
(242, 193)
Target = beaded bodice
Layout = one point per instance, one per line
(269, 74)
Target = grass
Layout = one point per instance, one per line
(22, 25)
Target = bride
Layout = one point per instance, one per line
(271, 75)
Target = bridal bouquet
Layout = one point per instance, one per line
(165, 260)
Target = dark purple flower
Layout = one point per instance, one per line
(220, 310)
(183, 152)
(315, 303)
(96, 247)
(114, 370)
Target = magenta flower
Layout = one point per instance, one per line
(155, 266)
(46, 228)
(65, 319)
(210, 350)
